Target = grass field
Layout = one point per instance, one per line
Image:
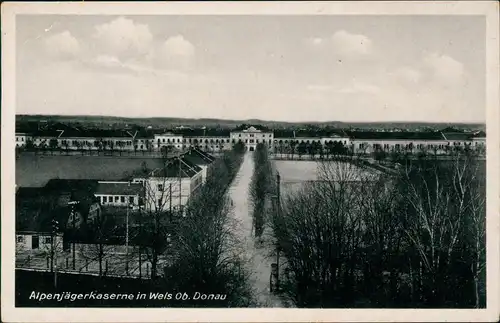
(297, 170)
(35, 171)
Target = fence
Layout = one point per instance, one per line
(112, 264)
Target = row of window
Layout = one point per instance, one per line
(418, 146)
(195, 140)
(252, 135)
(120, 199)
(46, 240)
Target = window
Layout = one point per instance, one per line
(131, 200)
(117, 198)
(20, 239)
(48, 240)
(122, 199)
(160, 187)
(163, 139)
(270, 141)
(104, 199)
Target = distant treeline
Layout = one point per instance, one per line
(159, 122)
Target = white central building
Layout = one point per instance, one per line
(252, 136)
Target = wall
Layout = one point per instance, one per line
(211, 144)
(21, 140)
(168, 140)
(24, 242)
(251, 139)
(179, 195)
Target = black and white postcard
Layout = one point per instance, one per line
(250, 161)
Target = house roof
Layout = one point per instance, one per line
(198, 157)
(195, 159)
(119, 188)
(71, 185)
(176, 167)
(37, 207)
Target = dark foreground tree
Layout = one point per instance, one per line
(260, 187)
(356, 239)
(208, 255)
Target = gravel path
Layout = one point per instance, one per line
(258, 258)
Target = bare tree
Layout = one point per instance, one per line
(208, 255)
(260, 187)
(95, 245)
(161, 191)
(53, 144)
(442, 218)
(320, 231)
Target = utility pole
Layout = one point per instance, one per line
(126, 242)
(73, 224)
(170, 203)
(180, 184)
(55, 229)
(278, 207)
(140, 244)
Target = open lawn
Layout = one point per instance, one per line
(35, 170)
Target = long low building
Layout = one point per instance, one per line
(216, 140)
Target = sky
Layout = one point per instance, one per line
(283, 68)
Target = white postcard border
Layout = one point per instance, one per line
(11, 314)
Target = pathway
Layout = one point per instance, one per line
(258, 260)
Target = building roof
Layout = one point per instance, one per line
(251, 128)
(312, 133)
(199, 132)
(479, 134)
(197, 157)
(403, 135)
(197, 160)
(457, 136)
(71, 185)
(74, 132)
(37, 207)
(176, 167)
(119, 188)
